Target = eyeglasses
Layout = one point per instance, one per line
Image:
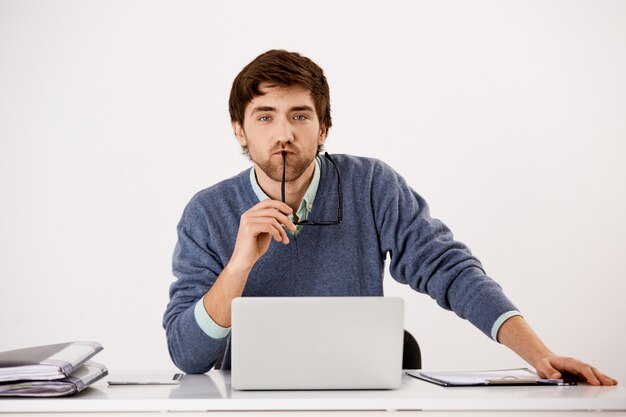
(339, 196)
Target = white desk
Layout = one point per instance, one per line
(212, 392)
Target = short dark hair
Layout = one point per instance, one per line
(278, 67)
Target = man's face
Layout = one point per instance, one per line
(283, 118)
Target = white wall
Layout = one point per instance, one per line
(508, 117)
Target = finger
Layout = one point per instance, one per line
(587, 373)
(281, 207)
(255, 226)
(577, 367)
(274, 214)
(275, 204)
(553, 374)
(277, 231)
(604, 379)
(283, 233)
(271, 226)
(546, 370)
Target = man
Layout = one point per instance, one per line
(280, 112)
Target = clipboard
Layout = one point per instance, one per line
(498, 377)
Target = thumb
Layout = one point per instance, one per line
(554, 374)
(548, 371)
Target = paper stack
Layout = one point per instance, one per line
(50, 370)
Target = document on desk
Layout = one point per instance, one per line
(498, 377)
(80, 379)
(46, 362)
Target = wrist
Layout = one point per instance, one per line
(237, 268)
(519, 337)
(538, 356)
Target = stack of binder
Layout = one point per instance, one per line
(50, 370)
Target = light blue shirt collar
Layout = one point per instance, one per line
(306, 205)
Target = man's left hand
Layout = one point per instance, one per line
(519, 337)
(556, 367)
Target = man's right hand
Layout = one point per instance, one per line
(257, 227)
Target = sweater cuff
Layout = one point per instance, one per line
(206, 323)
(498, 323)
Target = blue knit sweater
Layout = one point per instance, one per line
(381, 215)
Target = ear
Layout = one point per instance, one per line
(322, 135)
(239, 133)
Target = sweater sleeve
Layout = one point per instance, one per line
(196, 267)
(425, 256)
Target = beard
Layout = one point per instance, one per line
(272, 165)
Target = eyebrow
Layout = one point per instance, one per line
(301, 108)
(262, 109)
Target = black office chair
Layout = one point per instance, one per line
(411, 355)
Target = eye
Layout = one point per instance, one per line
(264, 119)
(300, 117)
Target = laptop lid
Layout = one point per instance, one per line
(285, 343)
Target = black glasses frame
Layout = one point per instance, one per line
(339, 196)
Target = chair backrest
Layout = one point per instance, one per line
(411, 355)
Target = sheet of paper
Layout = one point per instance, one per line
(479, 378)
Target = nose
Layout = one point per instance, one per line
(284, 131)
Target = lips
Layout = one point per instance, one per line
(280, 152)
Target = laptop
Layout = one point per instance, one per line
(317, 343)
